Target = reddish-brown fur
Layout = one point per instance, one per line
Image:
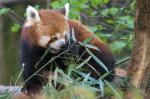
(82, 33)
(53, 22)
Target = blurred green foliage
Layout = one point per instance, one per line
(15, 27)
(111, 20)
(4, 11)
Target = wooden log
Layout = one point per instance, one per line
(15, 91)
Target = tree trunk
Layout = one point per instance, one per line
(139, 69)
(2, 70)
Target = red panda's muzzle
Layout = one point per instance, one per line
(57, 45)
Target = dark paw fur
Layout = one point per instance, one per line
(32, 89)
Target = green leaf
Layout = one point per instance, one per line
(15, 28)
(114, 10)
(101, 86)
(100, 27)
(105, 1)
(97, 60)
(37, 7)
(83, 63)
(105, 12)
(55, 77)
(55, 5)
(93, 28)
(95, 2)
(86, 78)
(84, 74)
(117, 46)
(4, 11)
(127, 21)
(74, 14)
(84, 6)
(78, 92)
(91, 46)
(71, 68)
(105, 35)
(116, 93)
(110, 21)
(106, 74)
(122, 61)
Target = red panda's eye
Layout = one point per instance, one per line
(54, 38)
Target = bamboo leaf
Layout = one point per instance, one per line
(86, 78)
(89, 46)
(97, 60)
(55, 77)
(101, 86)
(117, 94)
(83, 63)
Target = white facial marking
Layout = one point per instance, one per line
(58, 35)
(32, 16)
(29, 23)
(67, 10)
(57, 44)
(63, 41)
(73, 35)
(43, 41)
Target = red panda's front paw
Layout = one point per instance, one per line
(22, 95)
(32, 90)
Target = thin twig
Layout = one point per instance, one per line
(48, 3)
(122, 61)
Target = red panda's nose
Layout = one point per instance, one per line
(62, 44)
(58, 44)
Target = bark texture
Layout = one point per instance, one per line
(139, 69)
(2, 69)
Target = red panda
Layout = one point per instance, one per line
(49, 28)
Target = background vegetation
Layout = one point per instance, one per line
(110, 20)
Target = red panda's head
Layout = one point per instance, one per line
(46, 27)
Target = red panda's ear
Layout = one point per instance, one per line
(65, 10)
(32, 14)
